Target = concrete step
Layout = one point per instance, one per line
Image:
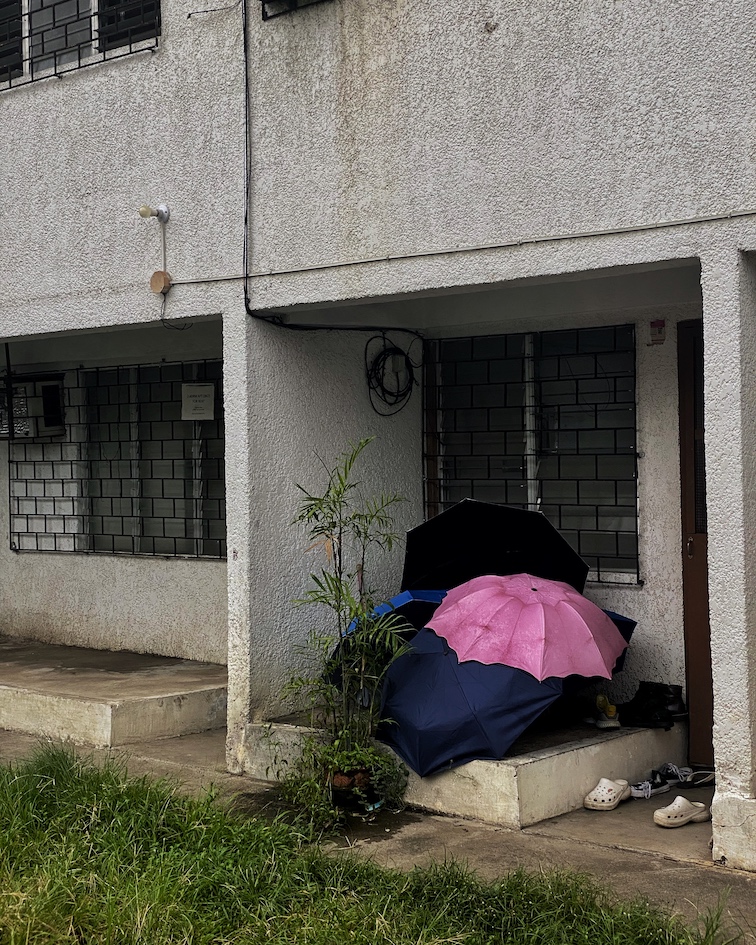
(105, 699)
(545, 776)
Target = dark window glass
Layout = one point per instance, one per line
(11, 53)
(545, 421)
(124, 22)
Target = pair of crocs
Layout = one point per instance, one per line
(607, 794)
(680, 812)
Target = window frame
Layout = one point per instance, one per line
(127, 475)
(98, 31)
(478, 441)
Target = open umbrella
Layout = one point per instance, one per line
(416, 607)
(473, 538)
(444, 713)
(544, 627)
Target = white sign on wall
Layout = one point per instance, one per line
(197, 401)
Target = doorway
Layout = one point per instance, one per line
(694, 544)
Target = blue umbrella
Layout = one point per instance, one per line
(416, 607)
(439, 713)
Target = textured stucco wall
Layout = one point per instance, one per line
(81, 154)
(420, 126)
(405, 129)
(308, 401)
(729, 291)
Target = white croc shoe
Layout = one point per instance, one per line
(607, 795)
(682, 811)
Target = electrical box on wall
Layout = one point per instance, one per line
(37, 410)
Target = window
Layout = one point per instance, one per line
(273, 8)
(543, 421)
(39, 38)
(128, 474)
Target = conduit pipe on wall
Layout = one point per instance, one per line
(510, 244)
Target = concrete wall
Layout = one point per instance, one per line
(395, 127)
(81, 154)
(308, 401)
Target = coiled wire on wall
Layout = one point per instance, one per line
(390, 373)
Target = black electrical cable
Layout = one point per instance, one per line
(390, 374)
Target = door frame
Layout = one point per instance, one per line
(695, 572)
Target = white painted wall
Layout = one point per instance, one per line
(308, 399)
(416, 130)
(82, 153)
(396, 128)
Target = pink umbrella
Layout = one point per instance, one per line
(545, 627)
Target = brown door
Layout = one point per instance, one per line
(695, 567)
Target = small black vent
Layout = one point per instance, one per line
(273, 8)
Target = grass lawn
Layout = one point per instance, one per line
(89, 856)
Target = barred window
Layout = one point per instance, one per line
(39, 38)
(273, 8)
(543, 421)
(132, 472)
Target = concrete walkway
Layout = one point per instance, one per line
(623, 849)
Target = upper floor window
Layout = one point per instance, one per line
(273, 8)
(39, 38)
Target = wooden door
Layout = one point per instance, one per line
(694, 557)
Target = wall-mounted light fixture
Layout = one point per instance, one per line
(160, 281)
(161, 212)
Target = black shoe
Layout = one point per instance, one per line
(656, 784)
(650, 706)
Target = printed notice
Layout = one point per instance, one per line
(197, 401)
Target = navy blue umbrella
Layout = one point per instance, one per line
(439, 713)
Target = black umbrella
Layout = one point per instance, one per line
(442, 713)
(473, 538)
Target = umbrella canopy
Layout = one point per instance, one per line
(544, 627)
(416, 607)
(444, 713)
(473, 538)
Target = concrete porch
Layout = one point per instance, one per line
(104, 699)
(545, 774)
(107, 699)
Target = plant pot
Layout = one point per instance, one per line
(352, 790)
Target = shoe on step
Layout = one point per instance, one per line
(606, 713)
(656, 784)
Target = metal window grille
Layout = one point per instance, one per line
(129, 475)
(39, 38)
(274, 8)
(543, 421)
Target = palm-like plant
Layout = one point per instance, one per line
(351, 657)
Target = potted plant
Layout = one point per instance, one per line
(348, 660)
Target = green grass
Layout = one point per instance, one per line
(89, 856)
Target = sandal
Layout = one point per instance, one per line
(697, 779)
(681, 811)
(607, 794)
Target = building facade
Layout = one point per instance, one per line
(558, 200)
